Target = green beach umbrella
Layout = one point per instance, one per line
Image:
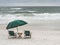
(15, 24)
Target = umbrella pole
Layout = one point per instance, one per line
(17, 29)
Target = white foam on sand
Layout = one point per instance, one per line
(48, 15)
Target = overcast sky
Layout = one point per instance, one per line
(29, 2)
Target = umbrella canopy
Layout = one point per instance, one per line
(16, 23)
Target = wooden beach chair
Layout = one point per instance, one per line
(27, 34)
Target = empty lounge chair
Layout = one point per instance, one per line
(12, 34)
(27, 34)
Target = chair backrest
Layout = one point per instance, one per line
(27, 33)
(11, 33)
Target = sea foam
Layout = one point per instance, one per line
(16, 8)
(30, 19)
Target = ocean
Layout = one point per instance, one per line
(31, 14)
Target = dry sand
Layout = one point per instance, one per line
(43, 33)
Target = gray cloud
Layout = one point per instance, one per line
(29, 2)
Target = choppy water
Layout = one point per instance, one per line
(19, 10)
(30, 13)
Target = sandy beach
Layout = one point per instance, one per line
(43, 33)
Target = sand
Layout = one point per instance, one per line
(43, 33)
